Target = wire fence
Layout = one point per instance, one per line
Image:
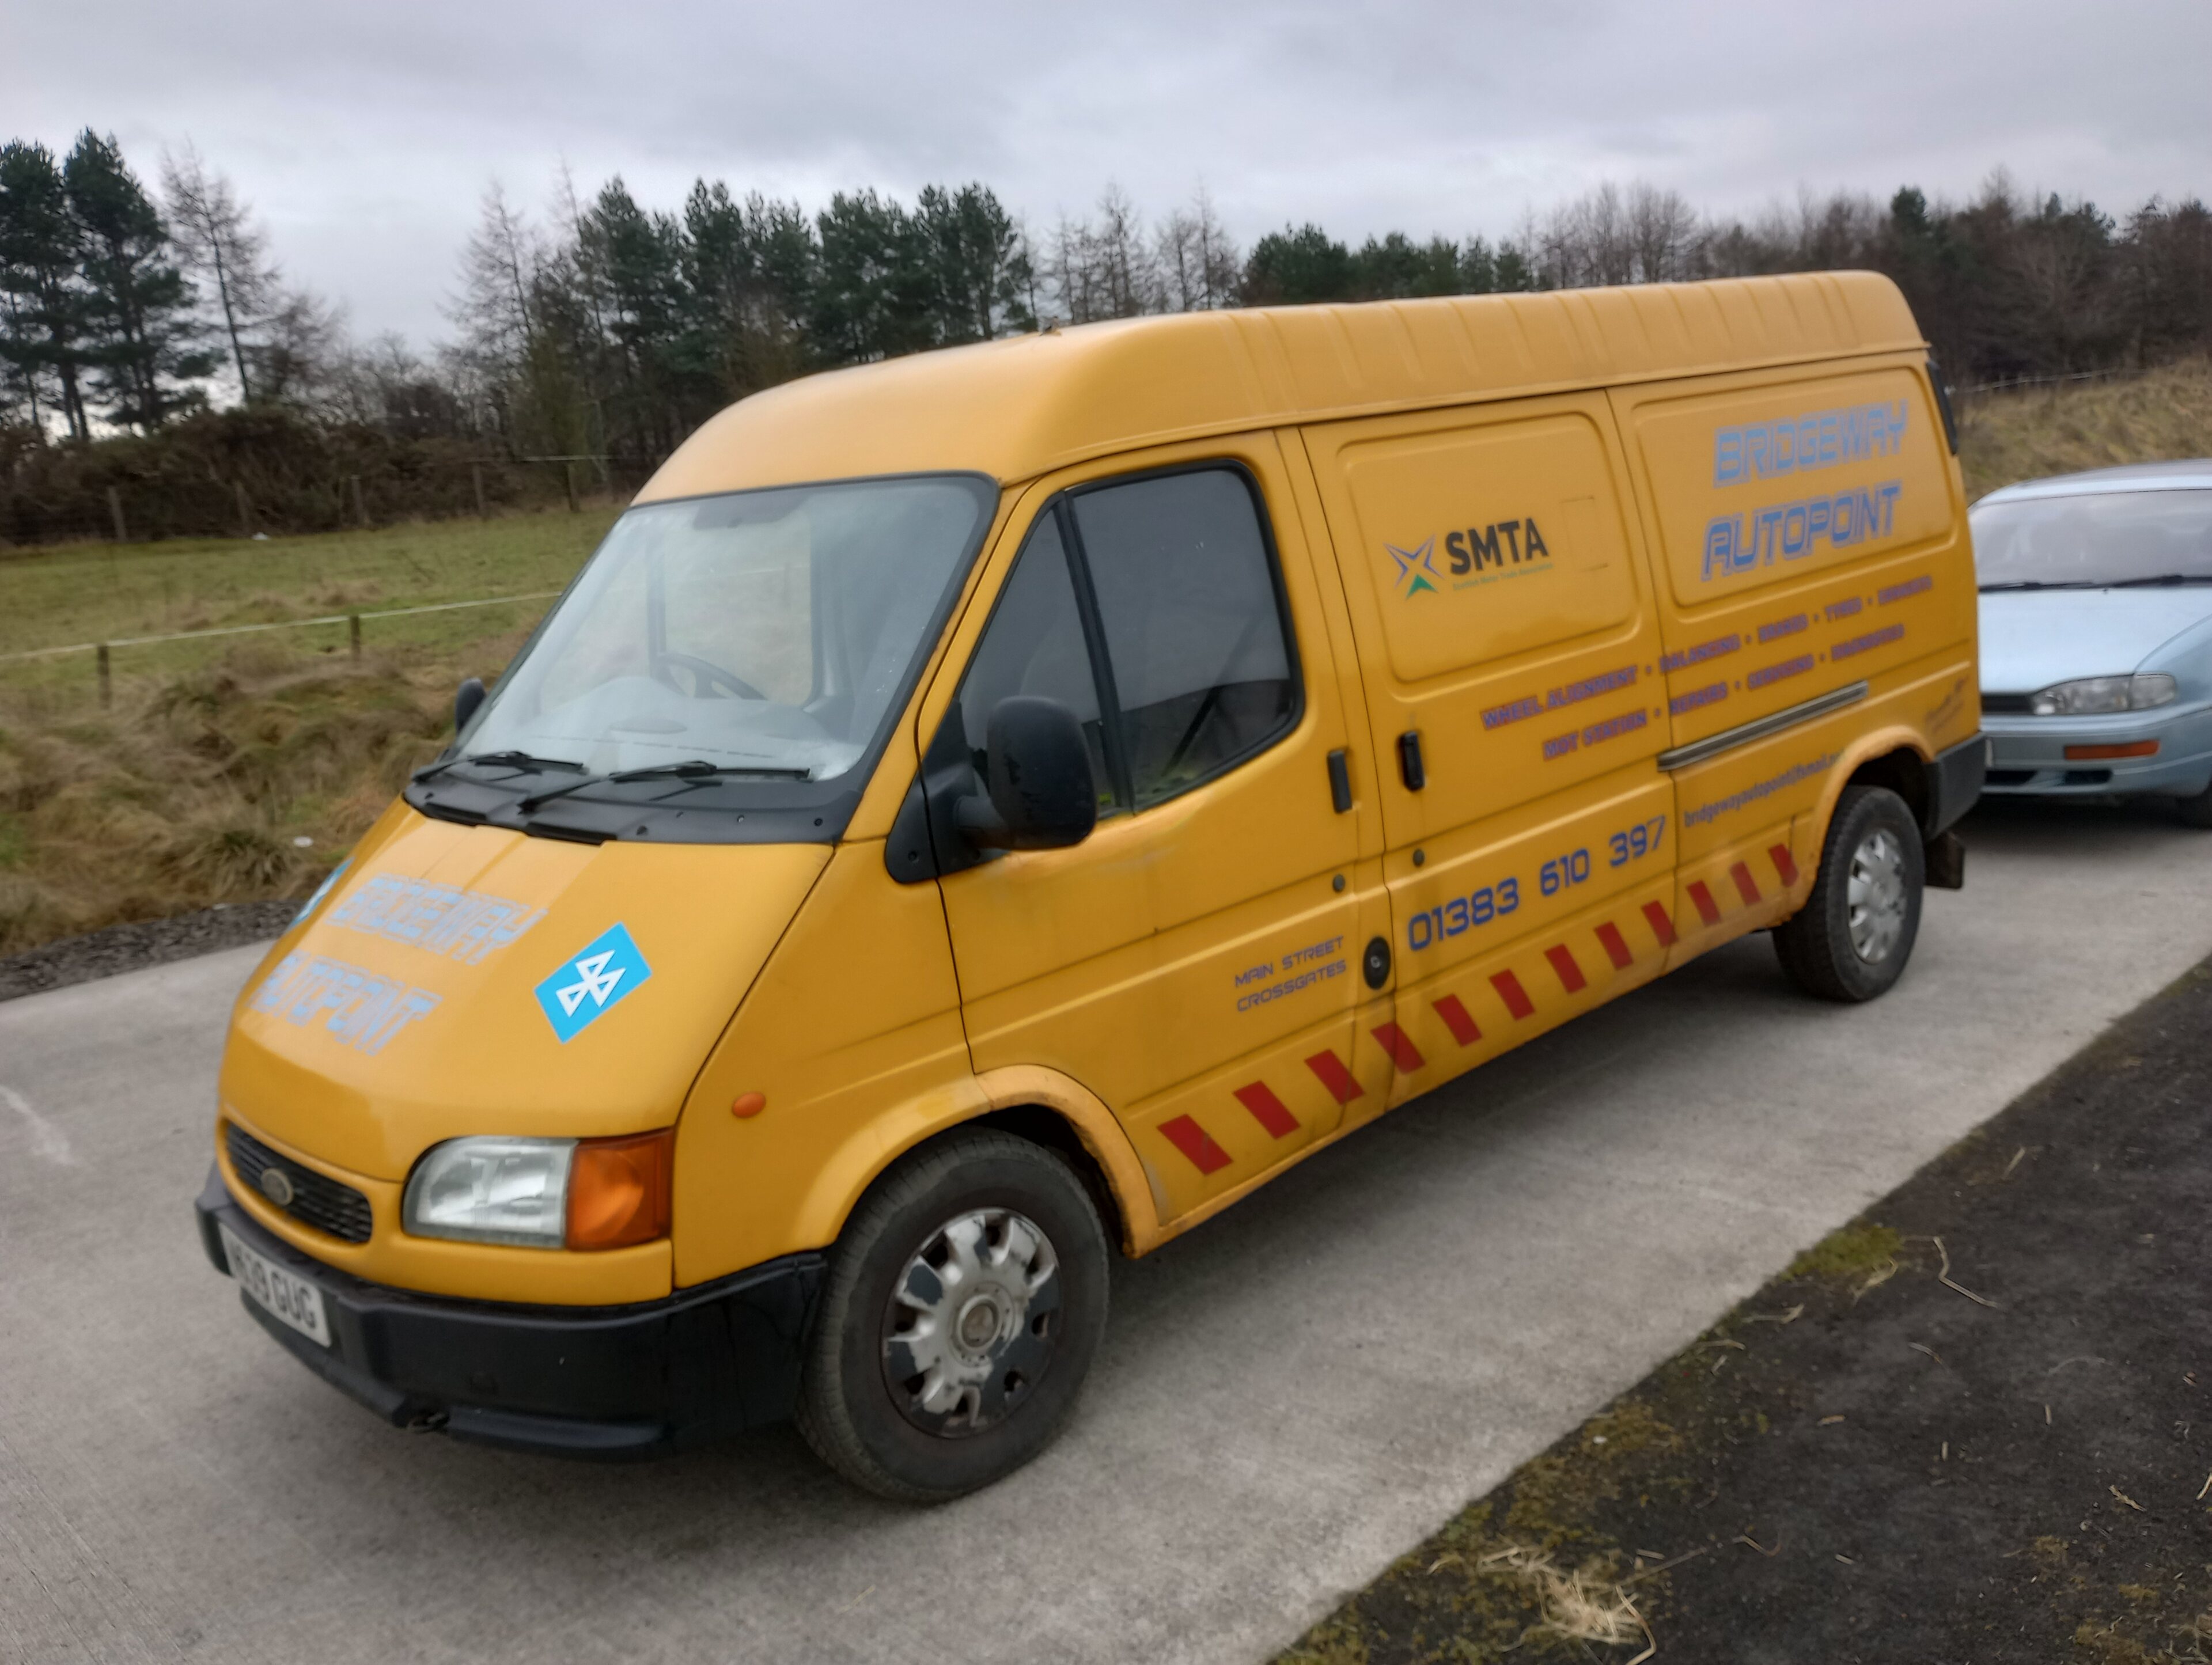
(102, 652)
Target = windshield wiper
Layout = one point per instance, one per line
(696, 771)
(520, 759)
(2160, 578)
(2043, 584)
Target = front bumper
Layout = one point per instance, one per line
(604, 1383)
(2028, 755)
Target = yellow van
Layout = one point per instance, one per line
(984, 810)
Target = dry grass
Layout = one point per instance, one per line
(2163, 415)
(242, 781)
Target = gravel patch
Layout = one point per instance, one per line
(147, 942)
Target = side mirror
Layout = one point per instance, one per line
(467, 699)
(1037, 771)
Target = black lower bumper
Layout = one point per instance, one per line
(604, 1383)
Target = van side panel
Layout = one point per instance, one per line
(1503, 611)
(1808, 530)
(855, 1015)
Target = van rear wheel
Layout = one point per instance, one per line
(965, 1301)
(1854, 932)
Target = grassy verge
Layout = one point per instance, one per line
(2162, 414)
(240, 768)
(1971, 1425)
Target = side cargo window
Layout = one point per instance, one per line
(1158, 602)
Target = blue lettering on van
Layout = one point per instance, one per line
(1737, 543)
(363, 1008)
(1797, 445)
(607, 972)
(1698, 654)
(439, 919)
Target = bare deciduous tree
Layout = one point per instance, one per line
(217, 240)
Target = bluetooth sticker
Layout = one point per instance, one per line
(608, 967)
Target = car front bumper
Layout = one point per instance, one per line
(2028, 755)
(604, 1383)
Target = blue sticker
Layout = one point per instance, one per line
(606, 971)
(323, 889)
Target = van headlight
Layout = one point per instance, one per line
(492, 1191)
(2095, 695)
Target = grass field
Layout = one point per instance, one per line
(217, 758)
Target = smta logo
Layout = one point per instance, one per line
(1415, 567)
(605, 972)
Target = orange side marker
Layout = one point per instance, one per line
(748, 1105)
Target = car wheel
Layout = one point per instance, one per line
(2196, 811)
(965, 1300)
(1854, 932)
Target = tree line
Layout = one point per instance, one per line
(606, 327)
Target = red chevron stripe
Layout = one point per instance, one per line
(1616, 947)
(1662, 927)
(1399, 1045)
(1342, 1087)
(1746, 886)
(1785, 865)
(1269, 1111)
(1194, 1142)
(1708, 909)
(1570, 974)
(1459, 1020)
(1515, 997)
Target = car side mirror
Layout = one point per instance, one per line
(467, 699)
(1037, 771)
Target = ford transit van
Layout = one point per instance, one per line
(984, 812)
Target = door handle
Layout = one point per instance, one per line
(1339, 779)
(1409, 760)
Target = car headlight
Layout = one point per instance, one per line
(2092, 695)
(492, 1191)
(544, 1192)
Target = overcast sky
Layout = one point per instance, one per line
(363, 134)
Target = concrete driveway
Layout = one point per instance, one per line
(1287, 1399)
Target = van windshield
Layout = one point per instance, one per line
(759, 633)
(2094, 540)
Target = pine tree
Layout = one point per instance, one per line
(145, 342)
(40, 249)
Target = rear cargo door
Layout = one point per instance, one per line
(1503, 611)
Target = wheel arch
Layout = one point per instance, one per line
(1892, 756)
(1041, 1105)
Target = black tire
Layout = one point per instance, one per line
(1818, 947)
(2196, 811)
(987, 1189)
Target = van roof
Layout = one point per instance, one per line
(1018, 408)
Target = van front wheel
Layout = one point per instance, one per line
(965, 1301)
(1854, 932)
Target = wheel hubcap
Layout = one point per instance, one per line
(972, 1322)
(1875, 895)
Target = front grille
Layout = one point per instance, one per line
(317, 1199)
(2009, 777)
(2007, 705)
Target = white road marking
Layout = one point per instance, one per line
(47, 1140)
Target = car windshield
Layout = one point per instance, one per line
(2093, 540)
(761, 631)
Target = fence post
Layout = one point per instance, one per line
(568, 474)
(245, 512)
(360, 506)
(353, 632)
(115, 509)
(475, 479)
(106, 685)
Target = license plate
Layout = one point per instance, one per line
(294, 1301)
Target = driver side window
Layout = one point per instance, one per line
(1155, 602)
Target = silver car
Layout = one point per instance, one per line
(2096, 615)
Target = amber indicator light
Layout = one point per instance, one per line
(2132, 749)
(618, 1190)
